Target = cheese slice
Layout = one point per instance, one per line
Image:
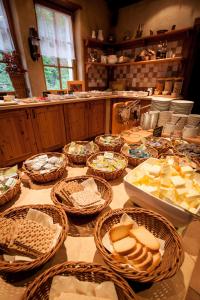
(155, 170)
(186, 169)
(181, 191)
(177, 181)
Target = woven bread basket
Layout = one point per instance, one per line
(50, 176)
(106, 147)
(103, 187)
(40, 287)
(77, 158)
(106, 174)
(11, 192)
(172, 258)
(135, 161)
(17, 213)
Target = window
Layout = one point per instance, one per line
(57, 47)
(6, 45)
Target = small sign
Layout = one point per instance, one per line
(158, 131)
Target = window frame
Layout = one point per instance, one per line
(59, 66)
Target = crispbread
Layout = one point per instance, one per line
(136, 251)
(145, 263)
(155, 262)
(119, 231)
(125, 245)
(138, 259)
(145, 237)
(7, 229)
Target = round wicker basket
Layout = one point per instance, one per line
(10, 193)
(103, 187)
(16, 213)
(106, 147)
(50, 176)
(135, 161)
(77, 158)
(106, 174)
(172, 258)
(40, 287)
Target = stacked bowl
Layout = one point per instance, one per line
(160, 104)
(181, 106)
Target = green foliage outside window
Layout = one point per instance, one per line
(5, 82)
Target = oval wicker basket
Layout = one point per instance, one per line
(77, 158)
(172, 258)
(16, 213)
(40, 287)
(135, 161)
(11, 192)
(106, 174)
(106, 147)
(103, 187)
(50, 176)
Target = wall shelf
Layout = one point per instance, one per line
(153, 61)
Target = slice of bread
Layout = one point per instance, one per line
(119, 258)
(136, 251)
(119, 231)
(145, 263)
(139, 259)
(155, 262)
(145, 237)
(124, 246)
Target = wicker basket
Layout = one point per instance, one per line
(79, 159)
(47, 177)
(160, 227)
(58, 216)
(106, 174)
(105, 147)
(11, 192)
(40, 287)
(135, 161)
(103, 187)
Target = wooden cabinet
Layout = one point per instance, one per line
(16, 137)
(84, 120)
(76, 120)
(49, 127)
(96, 119)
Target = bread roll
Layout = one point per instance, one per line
(124, 246)
(145, 237)
(119, 231)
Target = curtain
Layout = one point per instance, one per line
(55, 33)
(6, 43)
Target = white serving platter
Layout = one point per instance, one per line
(176, 214)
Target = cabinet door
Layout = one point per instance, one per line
(49, 127)
(16, 137)
(96, 117)
(76, 121)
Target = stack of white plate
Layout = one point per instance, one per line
(164, 117)
(193, 120)
(179, 120)
(160, 104)
(181, 106)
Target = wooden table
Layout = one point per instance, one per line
(80, 246)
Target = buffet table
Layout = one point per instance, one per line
(80, 246)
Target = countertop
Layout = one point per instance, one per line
(80, 245)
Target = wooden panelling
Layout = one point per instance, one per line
(16, 137)
(96, 117)
(76, 121)
(49, 127)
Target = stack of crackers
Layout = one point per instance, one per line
(25, 237)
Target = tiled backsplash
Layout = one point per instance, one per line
(138, 75)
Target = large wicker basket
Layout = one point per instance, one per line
(11, 192)
(103, 187)
(106, 174)
(50, 176)
(58, 216)
(40, 287)
(105, 147)
(77, 158)
(135, 161)
(172, 258)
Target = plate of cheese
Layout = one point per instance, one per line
(169, 186)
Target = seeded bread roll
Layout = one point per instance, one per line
(145, 237)
(124, 246)
(119, 231)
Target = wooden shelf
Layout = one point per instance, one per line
(153, 61)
